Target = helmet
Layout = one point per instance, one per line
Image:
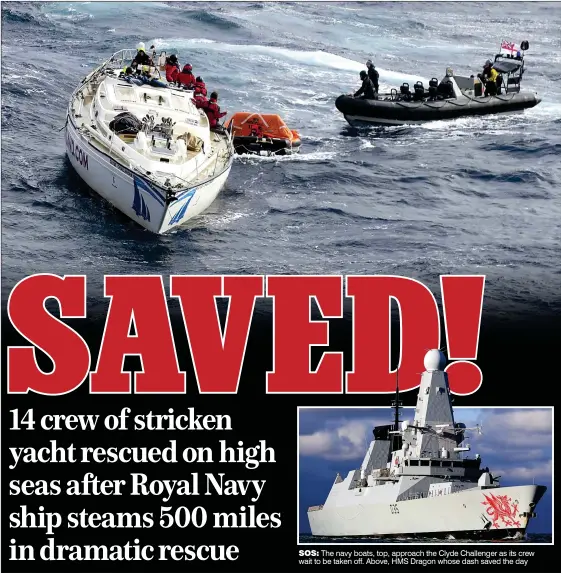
(187, 67)
(141, 47)
(173, 58)
(363, 74)
(198, 79)
(369, 63)
(214, 95)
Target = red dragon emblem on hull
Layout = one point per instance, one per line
(501, 507)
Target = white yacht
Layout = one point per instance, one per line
(161, 173)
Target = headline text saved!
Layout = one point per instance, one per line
(140, 302)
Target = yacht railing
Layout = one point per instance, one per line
(120, 58)
(118, 61)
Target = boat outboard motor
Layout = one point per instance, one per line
(405, 92)
(419, 91)
(446, 89)
(433, 88)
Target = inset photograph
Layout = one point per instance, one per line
(425, 474)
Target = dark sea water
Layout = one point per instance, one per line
(477, 195)
(530, 538)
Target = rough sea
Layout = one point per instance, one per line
(476, 195)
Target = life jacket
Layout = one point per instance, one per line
(492, 75)
(212, 110)
(172, 71)
(186, 78)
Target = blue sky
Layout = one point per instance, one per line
(516, 443)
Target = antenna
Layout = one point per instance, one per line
(396, 405)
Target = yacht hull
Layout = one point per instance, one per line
(142, 201)
(475, 513)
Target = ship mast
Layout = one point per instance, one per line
(396, 405)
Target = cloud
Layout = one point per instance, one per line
(525, 473)
(521, 433)
(520, 438)
(533, 420)
(346, 441)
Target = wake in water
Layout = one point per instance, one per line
(276, 54)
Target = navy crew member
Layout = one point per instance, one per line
(366, 91)
(373, 75)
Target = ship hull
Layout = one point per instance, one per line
(141, 201)
(476, 513)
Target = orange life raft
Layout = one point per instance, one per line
(262, 134)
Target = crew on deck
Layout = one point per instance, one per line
(212, 110)
(186, 77)
(141, 58)
(489, 78)
(129, 76)
(199, 98)
(200, 87)
(366, 91)
(172, 69)
(373, 75)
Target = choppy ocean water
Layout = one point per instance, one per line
(477, 195)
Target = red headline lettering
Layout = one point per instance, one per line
(218, 355)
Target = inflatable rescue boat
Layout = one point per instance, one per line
(453, 97)
(262, 134)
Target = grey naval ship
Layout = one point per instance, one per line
(417, 479)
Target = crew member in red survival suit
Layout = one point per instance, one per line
(186, 77)
(200, 87)
(200, 99)
(172, 69)
(212, 110)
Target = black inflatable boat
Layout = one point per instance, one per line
(453, 97)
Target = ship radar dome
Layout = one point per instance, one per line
(434, 360)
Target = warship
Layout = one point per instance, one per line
(417, 479)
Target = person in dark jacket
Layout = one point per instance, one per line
(373, 75)
(172, 69)
(212, 110)
(128, 75)
(186, 77)
(141, 58)
(367, 89)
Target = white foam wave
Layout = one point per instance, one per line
(299, 157)
(225, 219)
(315, 58)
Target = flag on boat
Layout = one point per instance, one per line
(509, 47)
